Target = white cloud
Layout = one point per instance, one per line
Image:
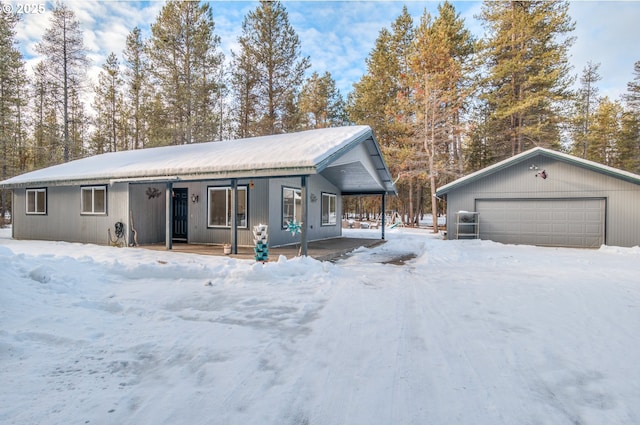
(607, 33)
(29, 31)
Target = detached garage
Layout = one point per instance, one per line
(543, 197)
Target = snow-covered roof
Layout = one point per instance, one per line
(293, 154)
(604, 169)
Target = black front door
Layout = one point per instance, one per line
(180, 214)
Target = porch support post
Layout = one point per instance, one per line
(384, 209)
(304, 215)
(169, 219)
(234, 216)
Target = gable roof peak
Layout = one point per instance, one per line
(550, 153)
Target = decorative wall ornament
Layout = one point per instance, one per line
(153, 192)
(313, 197)
(542, 174)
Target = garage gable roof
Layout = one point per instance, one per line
(281, 155)
(527, 155)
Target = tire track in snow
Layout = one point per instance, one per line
(376, 378)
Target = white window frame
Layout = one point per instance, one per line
(37, 208)
(91, 191)
(332, 200)
(228, 207)
(297, 205)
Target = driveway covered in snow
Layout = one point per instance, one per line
(457, 332)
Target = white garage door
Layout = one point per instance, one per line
(547, 222)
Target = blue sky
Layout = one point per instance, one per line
(339, 35)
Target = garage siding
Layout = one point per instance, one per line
(566, 180)
(547, 222)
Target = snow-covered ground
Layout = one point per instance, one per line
(467, 332)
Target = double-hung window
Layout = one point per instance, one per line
(37, 201)
(291, 205)
(94, 200)
(220, 207)
(329, 209)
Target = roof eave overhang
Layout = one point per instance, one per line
(593, 166)
(185, 177)
(367, 192)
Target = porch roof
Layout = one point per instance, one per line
(348, 156)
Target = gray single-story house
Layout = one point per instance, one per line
(543, 197)
(189, 193)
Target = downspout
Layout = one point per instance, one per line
(304, 216)
(234, 216)
(169, 218)
(384, 209)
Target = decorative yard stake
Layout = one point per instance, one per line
(260, 238)
(295, 227)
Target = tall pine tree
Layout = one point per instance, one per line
(12, 103)
(268, 72)
(382, 100)
(527, 68)
(442, 49)
(629, 143)
(604, 133)
(184, 57)
(66, 60)
(46, 146)
(586, 102)
(321, 102)
(108, 106)
(137, 91)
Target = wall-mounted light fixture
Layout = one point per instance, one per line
(543, 173)
(195, 198)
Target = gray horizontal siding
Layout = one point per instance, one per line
(316, 185)
(64, 221)
(199, 232)
(149, 212)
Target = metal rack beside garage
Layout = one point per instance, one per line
(467, 225)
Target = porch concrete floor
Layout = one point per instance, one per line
(323, 250)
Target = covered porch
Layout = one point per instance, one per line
(353, 167)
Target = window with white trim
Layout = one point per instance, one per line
(37, 201)
(329, 209)
(94, 200)
(219, 207)
(291, 205)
